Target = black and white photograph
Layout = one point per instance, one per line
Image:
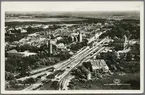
(72, 47)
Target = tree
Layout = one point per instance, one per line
(9, 76)
(13, 82)
(84, 42)
(24, 66)
(88, 65)
(111, 60)
(64, 55)
(30, 81)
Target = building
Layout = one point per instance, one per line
(27, 53)
(60, 45)
(99, 64)
(20, 54)
(23, 31)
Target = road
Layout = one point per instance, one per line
(56, 66)
(64, 81)
(76, 61)
(68, 65)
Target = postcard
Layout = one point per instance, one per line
(69, 47)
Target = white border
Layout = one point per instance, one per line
(3, 91)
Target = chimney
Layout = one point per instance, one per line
(50, 44)
(80, 37)
(50, 47)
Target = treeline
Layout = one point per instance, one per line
(84, 20)
(132, 31)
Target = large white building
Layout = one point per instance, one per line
(99, 64)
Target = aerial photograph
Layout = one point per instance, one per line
(71, 49)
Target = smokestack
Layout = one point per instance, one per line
(50, 47)
(80, 37)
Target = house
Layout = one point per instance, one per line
(22, 54)
(23, 31)
(14, 53)
(60, 45)
(27, 53)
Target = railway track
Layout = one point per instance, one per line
(71, 63)
(63, 82)
(77, 61)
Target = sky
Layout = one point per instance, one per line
(71, 6)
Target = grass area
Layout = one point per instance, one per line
(133, 79)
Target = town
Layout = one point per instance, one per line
(77, 55)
